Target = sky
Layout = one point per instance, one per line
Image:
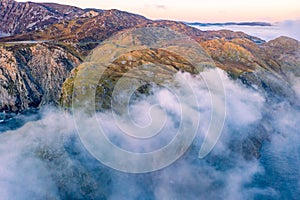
(199, 10)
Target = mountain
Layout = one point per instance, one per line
(230, 24)
(99, 27)
(167, 64)
(32, 75)
(75, 32)
(52, 54)
(19, 17)
(84, 29)
(271, 66)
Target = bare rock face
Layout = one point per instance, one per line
(286, 51)
(19, 17)
(31, 75)
(90, 27)
(230, 56)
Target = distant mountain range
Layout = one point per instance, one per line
(230, 24)
(47, 21)
(22, 17)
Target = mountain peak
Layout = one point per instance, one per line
(284, 40)
(5, 2)
(23, 17)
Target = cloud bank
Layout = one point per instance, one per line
(289, 28)
(45, 159)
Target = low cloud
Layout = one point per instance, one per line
(160, 6)
(291, 28)
(46, 159)
(155, 6)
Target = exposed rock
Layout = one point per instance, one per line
(231, 57)
(87, 29)
(32, 75)
(19, 17)
(286, 53)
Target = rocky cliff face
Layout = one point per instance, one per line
(32, 75)
(89, 28)
(19, 17)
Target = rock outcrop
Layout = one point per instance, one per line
(32, 74)
(23, 17)
(94, 28)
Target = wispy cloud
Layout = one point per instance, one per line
(155, 6)
(291, 28)
(159, 6)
